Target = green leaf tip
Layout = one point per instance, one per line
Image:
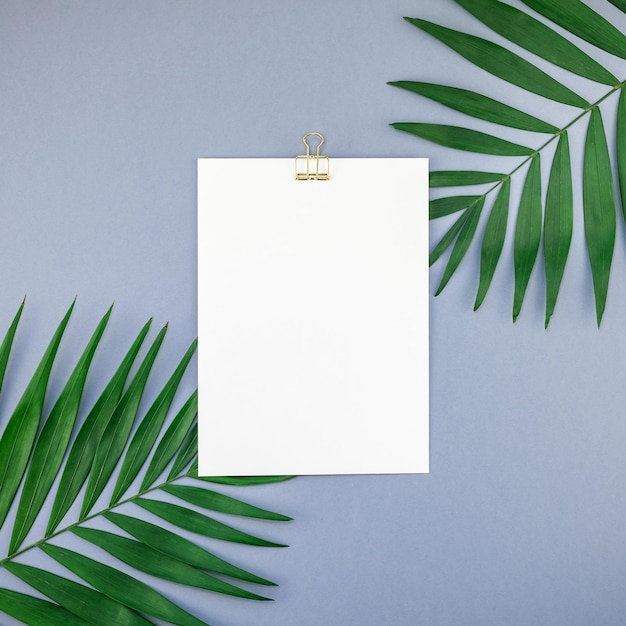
(19, 435)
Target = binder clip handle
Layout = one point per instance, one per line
(312, 167)
(319, 145)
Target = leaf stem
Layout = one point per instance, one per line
(590, 108)
(36, 544)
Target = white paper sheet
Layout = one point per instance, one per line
(312, 318)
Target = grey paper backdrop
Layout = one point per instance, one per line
(105, 106)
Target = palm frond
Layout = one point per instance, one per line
(100, 455)
(552, 218)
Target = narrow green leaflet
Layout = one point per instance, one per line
(188, 451)
(453, 178)
(7, 343)
(143, 441)
(117, 430)
(171, 440)
(502, 63)
(201, 524)
(207, 499)
(446, 241)
(180, 548)
(121, 587)
(238, 481)
(558, 223)
(599, 209)
(477, 105)
(463, 241)
(36, 612)
(82, 452)
(527, 233)
(52, 442)
(92, 606)
(447, 206)
(536, 37)
(463, 139)
(148, 560)
(19, 434)
(493, 241)
(579, 19)
(621, 148)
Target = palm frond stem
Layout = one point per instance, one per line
(555, 136)
(97, 514)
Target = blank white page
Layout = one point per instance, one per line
(312, 318)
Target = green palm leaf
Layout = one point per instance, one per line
(558, 223)
(581, 20)
(446, 206)
(148, 431)
(83, 450)
(19, 434)
(171, 441)
(116, 433)
(51, 444)
(201, 524)
(7, 343)
(527, 233)
(180, 548)
(42, 446)
(599, 209)
(446, 241)
(121, 587)
(493, 241)
(536, 37)
(477, 105)
(502, 63)
(146, 559)
(466, 232)
(463, 178)
(92, 606)
(621, 148)
(463, 139)
(523, 29)
(36, 612)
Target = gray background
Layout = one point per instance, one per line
(104, 108)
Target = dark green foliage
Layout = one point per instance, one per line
(554, 217)
(36, 447)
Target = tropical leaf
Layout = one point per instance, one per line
(466, 232)
(36, 612)
(477, 105)
(558, 222)
(579, 19)
(527, 233)
(554, 38)
(19, 435)
(502, 63)
(459, 179)
(599, 208)
(493, 241)
(52, 442)
(621, 148)
(464, 139)
(96, 450)
(446, 206)
(531, 34)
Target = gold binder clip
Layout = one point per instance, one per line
(312, 166)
